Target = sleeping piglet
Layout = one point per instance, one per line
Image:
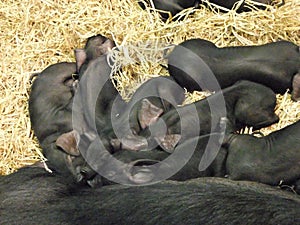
(50, 110)
(276, 65)
(245, 104)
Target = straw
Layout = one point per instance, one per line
(36, 34)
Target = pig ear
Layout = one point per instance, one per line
(108, 44)
(68, 143)
(169, 142)
(38, 164)
(80, 56)
(296, 88)
(148, 113)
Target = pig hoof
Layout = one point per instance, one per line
(95, 182)
(80, 179)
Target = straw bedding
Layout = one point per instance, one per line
(35, 34)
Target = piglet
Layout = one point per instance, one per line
(272, 159)
(276, 65)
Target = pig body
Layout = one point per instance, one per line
(276, 65)
(33, 196)
(272, 159)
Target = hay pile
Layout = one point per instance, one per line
(35, 34)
